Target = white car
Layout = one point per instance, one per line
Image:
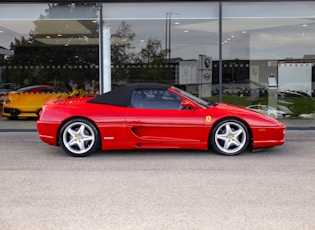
(268, 110)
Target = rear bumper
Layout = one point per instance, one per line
(48, 132)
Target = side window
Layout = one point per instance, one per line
(155, 99)
(47, 90)
(51, 90)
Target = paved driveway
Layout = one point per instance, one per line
(43, 188)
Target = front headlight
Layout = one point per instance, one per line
(7, 101)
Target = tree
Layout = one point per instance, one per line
(121, 52)
(152, 53)
(151, 58)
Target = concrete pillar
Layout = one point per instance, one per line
(105, 60)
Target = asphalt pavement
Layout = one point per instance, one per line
(43, 188)
(17, 125)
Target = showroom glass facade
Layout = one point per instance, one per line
(250, 53)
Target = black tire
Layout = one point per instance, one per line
(79, 138)
(230, 137)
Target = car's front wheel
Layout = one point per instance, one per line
(230, 137)
(79, 137)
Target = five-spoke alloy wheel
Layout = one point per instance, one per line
(230, 137)
(79, 137)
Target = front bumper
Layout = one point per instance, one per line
(16, 113)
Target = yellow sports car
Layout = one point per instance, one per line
(28, 101)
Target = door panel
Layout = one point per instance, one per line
(164, 126)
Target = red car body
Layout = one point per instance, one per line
(122, 126)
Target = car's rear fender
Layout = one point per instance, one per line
(77, 117)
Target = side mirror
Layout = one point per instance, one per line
(187, 105)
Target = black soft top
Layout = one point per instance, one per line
(122, 95)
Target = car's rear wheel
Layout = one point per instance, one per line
(79, 137)
(230, 137)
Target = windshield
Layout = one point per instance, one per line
(197, 100)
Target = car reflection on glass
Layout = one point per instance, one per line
(295, 103)
(268, 110)
(225, 90)
(27, 102)
(5, 88)
(244, 88)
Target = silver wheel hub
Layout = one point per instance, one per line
(78, 138)
(230, 137)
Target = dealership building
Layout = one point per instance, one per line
(258, 54)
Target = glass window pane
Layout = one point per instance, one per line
(270, 41)
(162, 42)
(55, 44)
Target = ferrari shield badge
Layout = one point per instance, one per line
(208, 118)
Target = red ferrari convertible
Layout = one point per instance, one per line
(154, 116)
